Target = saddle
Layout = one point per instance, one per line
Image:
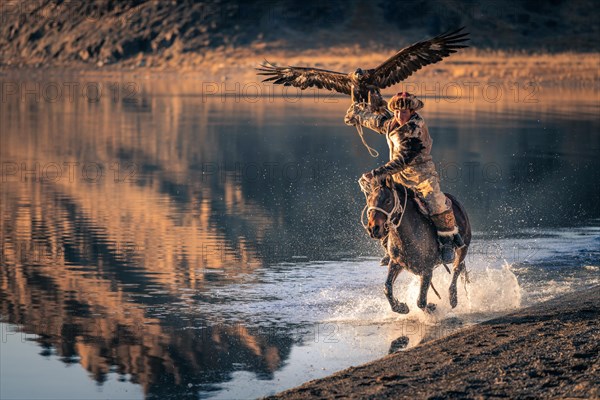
(366, 188)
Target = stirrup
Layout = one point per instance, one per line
(385, 261)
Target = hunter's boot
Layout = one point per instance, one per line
(447, 234)
(386, 259)
(458, 241)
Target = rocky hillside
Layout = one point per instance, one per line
(175, 32)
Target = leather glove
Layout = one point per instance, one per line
(351, 117)
(353, 113)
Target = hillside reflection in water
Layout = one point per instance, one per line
(126, 225)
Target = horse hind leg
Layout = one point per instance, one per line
(393, 271)
(452, 291)
(422, 300)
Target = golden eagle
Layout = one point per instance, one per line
(362, 84)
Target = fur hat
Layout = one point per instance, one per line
(405, 101)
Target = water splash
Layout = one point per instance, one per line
(490, 290)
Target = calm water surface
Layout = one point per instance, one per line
(166, 245)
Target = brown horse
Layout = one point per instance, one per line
(412, 239)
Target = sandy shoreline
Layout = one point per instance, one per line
(549, 350)
(574, 70)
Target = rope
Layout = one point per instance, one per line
(435, 291)
(374, 153)
(403, 208)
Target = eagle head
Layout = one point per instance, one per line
(358, 75)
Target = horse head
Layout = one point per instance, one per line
(383, 209)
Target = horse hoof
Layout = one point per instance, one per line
(400, 308)
(430, 308)
(453, 299)
(399, 344)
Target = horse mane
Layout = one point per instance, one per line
(390, 184)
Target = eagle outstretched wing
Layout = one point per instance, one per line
(306, 77)
(412, 58)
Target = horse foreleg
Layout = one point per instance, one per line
(393, 271)
(453, 292)
(422, 300)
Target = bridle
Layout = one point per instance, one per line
(389, 214)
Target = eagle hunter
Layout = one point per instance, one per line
(362, 84)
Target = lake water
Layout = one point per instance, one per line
(159, 243)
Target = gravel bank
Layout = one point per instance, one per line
(550, 350)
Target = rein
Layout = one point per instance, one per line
(390, 219)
